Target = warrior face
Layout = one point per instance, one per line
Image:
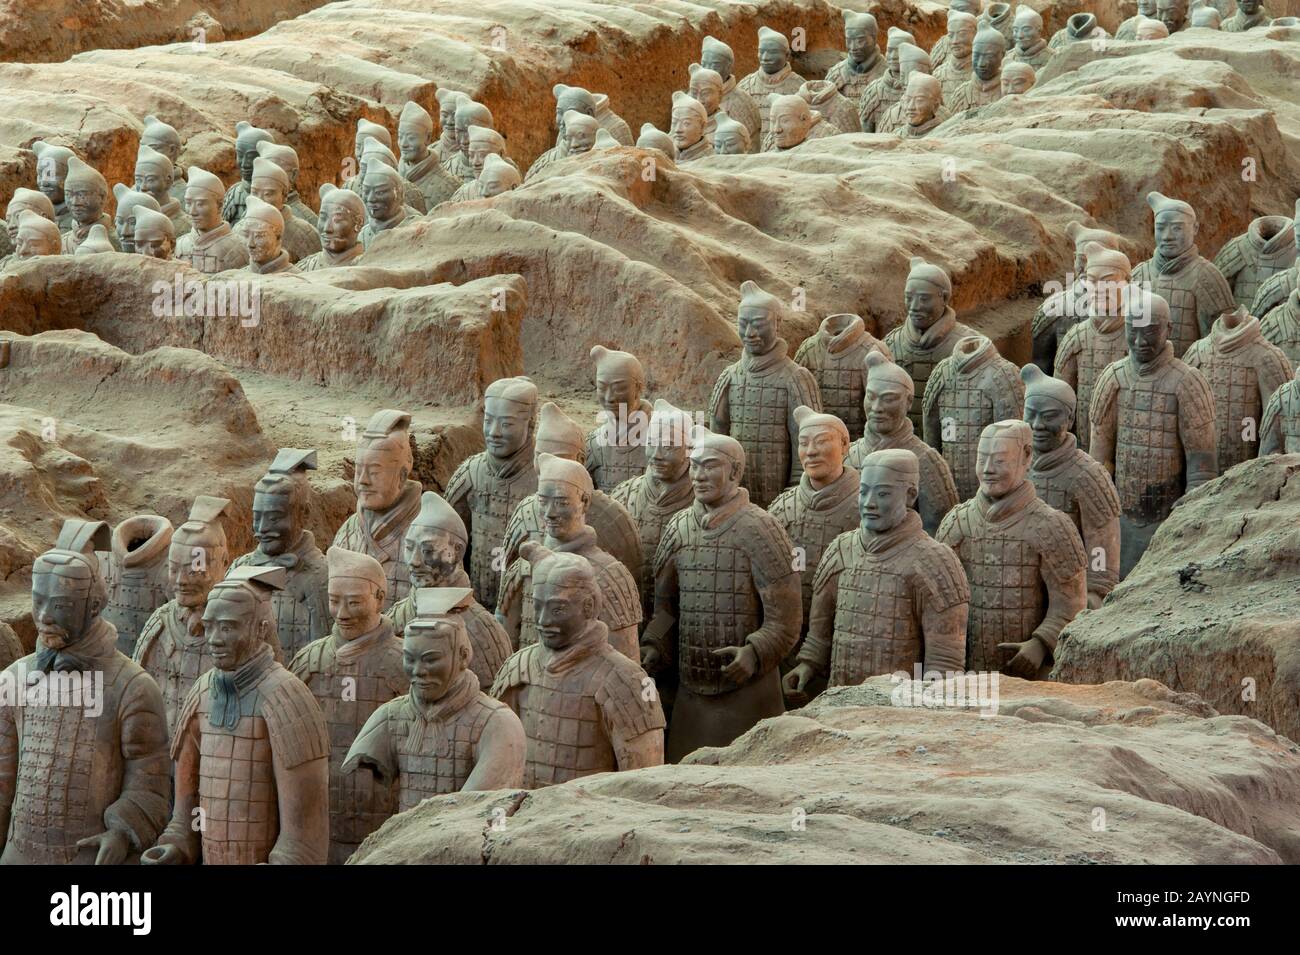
(729, 144)
(33, 244)
(244, 156)
(860, 42)
(432, 555)
(160, 247)
(204, 211)
(617, 390)
(262, 240)
(338, 228)
(1146, 341)
(193, 569)
(1104, 289)
(821, 452)
(986, 61)
(446, 122)
(883, 499)
(382, 199)
(919, 107)
(562, 609)
(886, 406)
(668, 462)
(925, 303)
(1248, 7)
(50, 174)
(718, 62)
(961, 37)
(153, 182)
(164, 145)
(757, 328)
(714, 476)
(790, 124)
(86, 203)
(269, 191)
(563, 508)
(507, 426)
(707, 94)
(1172, 13)
(276, 523)
(124, 223)
(413, 141)
(687, 128)
(1175, 233)
(1025, 34)
(379, 477)
(580, 139)
(62, 609)
(478, 152)
(354, 605)
(1015, 84)
(772, 56)
(1001, 463)
(432, 658)
(1050, 421)
(233, 627)
(1147, 8)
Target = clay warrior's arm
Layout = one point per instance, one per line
(303, 794)
(140, 811)
(499, 756)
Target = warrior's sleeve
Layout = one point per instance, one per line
(148, 635)
(937, 493)
(720, 403)
(803, 391)
(300, 763)
(931, 425)
(8, 762)
(233, 255)
(771, 556)
(516, 533)
(1067, 359)
(1196, 428)
(816, 649)
(633, 723)
(140, 812)
(1064, 570)
(806, 346)
(590, 458)
(1099, 512)
(1230, 261)
(183, 831)
(373, 748)
(950, 531)
(944, 597)
(499, 755)
(1213, 296)
(1274, 371)
(1009, 395)
(510, 600)
(1272, 292)
(457, 495)
(1103, 419)
(663, 624)
(1270, 429)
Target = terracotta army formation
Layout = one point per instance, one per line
(433, 551)
(581, 702)
(1128, 29)
(1279, 432)
(87, 193)
(128, 200)
(446, 734)
(387, 498)
(1017, 79)
(955, 68)
(911, 60)
(155, 176)
(82, 780)
(271, 184)
(654, 138)
(301, 606)
(51, 178)
(774, 77)
(1243, 369)
(247, 136)
(1031, 46)
(730, 138)
(739, 106)
(1267, 247)
(420, 164)
(342, 217)
(839, 111)
(366, 131)
(469, 115)
(886, 595)
(1070, 480)
(446, 145)
(988, 50)
(251, 746)
(487, 487)
(27, 200)
(727, 603)
(381, 190)
(377, 153)
(1024, 560)
(352, 672)
(688, 128)
(1079, 26)
(931, 330)
(1062, 310)
(210, 246)
(134, 569)
(887, 399)
(286, 157)
(483, 144)
(887, 89)
(754, 399)
(262, 229)
(1152, 425)
(567, 99)
(1250, 14)
(154, 235)
(968, 391)
(615, 449)
(863, 61)
(921, 104)
(836, 355)
(942, 47)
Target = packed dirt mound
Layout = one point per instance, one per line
(1120, 773)
(1211, 607)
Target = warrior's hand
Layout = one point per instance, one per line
(113, 847)
(795, 684)
(165, 854)
(1029, 656)
(651, 661)
(741, 663)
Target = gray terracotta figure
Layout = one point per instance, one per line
(1070, 480)
(706, 88)
(96, 241)
(155, 176)
(654, 138)
(730, 138)
(862, 62)
(999, 17)
(262, 229)
(754, 399)
(487, 487)
(955, 68)
(567, 99)
(968, 391)
(87, 194)
(247, 136)
(498, 176)
(580, 133)
(739, 106)
(887, 400)
(836, 108)
(342, 217)
(942, 47)
(483, 143)
(11, 648)
(420, 164)
(688, 129)
(286, 157)
(1279, 432)
(163, 138)
(931, 330)
(1066, 308)
(1024, 561)
(1150, 29)
(36, 236)
(611, 122)
(1250, 14)
(1078, 27)
(367, 130)
(1017, 79)
(615, 449)
(134, 569)
(1089, 346)
(985, 84)
(1267, 247)
(51, 175)
(727, 603)
(382, 194)
(446, 145)
(375, 153)
(469, 114)
(886, 596)
(1275, 289)
(1173, 14)
(128, 200)
(387, 498)
(887, 89)
(353, 671)
(1243, 369)
(251, 746)
(154, 235)
(774, 76)
(922, 106)
(836, 355)
(433, 551)
(446, 734)
(1281, 326)
(1152, 425)
(1030, 46)
(271, 184)
(210, 246)
(1197, 293)
(911, 59)
(280, 499)
(26, 200)
(83, 764)
(583, 705)
(1128, 29)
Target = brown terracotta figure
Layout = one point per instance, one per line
(968, 391)
(83, 763)
(128, 200)
(730, 138)
(163, 138)
(1031, 47)
(1079, 26)
(1281, 327)
(286, 157)
(210, 246)
(774, 76)
(1064, 309)
(387, 498)
(498, 176)
(887, 89)
(615, 449)
(484, 143)
(272, 185)
(1243, 369)
(1280, 431)
(942, 48)
(862, 62)
(134, 569)
(51, 176)
(154, 235)
(886, 401)
(376, 153)
(585, 707)
(1128, 29)
(420, 165)
(155, 176)
(706, 87)
(988, 50)
(1250, 14)
(262, 229)
(366, 131)
(567, 99)
(446, 734)
(469, 115)
(352, 672)
(1017, 79)
(727, 603)
(688, 129)
(342, 217)
(739, 106)
(251, 746)
(1267, 247)
(247, 136)
(954, 68)
(931, 330)
(1152, 425)
(1070, 480)
(754, 399)
(886, 596)
(836, 355)
(1197, 293)
(922, 105)
(382, 194)
(87, 193)
(1023, 559)
(434, 552)
(487, 487)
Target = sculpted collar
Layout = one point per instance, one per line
(933, 336)
(761, 363)
(585, 539)
(900, 437)
(380, 524)
(1007, 506)
(593, 638)
(93, 651)
(1107, 324)
(775, 79)
(710, 519)
(865, 67)
(346, 651)
(1050, 462)
(1155, 365)
(1175, 265)
(344, 257)
(667, 495)
(846, 338)
(1227, 340)
(277, 264)
(878, 543)
(290, 558)
(503, 469)
(227, 688)
(463, 691)
(832, 495)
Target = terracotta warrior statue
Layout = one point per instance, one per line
(1274, 290)
(487, 487)
(774, 77)
(727, 603)
(498, 176)
(911, 59)
(376, 153)
(985, 85)
(955, 67)
(886, 595)
(922, 106)
(1173, 14)
(51, 176)
(1000, 17)
(469, 114)
(583, 704)
(1024, 561)
(447, 145)
(95, 242)
(446, 734)
(87, 193)
(968, 391)
(1017, 79)
(1152, 425)
(707, 88)
(688, 129)
(434, 551)
(286, 157)
(1243, 369)
(580, 134)
(272, 185)
(163, 138)
(382, 193)
(83, 773)
(26, 200)
(342, 217)
(1070, 480)
(862, 62)
(1250, 14)
(155, 176)
(754, 399)
(1027, 33)
(1062, 310)
(352, 672)
(931, 330)
(1128, 29)
(128, 200)
(654, 138)
(836, 355)
(262, 229)
(1267, 247)
(419, 164)
(837, 109)
(568, 99)
(483, 143)
(736, 103)
(210, 246)
(37, 235)
(366, 131)
(1079, 26)
(154, 235)
(615, 449)
(730, 138)
(1280, 431)
(134, 569)
(1281, 327)
(887, 89)
(247, 136)
(251, 746)
(387, 498)
(942, 48)
(280, 497)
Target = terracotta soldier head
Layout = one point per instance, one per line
(1175, 224)
(197, 557)
(654, 138)
(436, 647)
(1202, 16)
(239, 618)
(247, 136)
(382, 191)
(484, 142)
(435, 542)
(469, 114)
(896, 40)
(448, 100)
(717, 56)
(887, 489)
(1049, 408)
(1003, 457)
(376, 153)
(342, 215)
(263, 228)
(620, 382)
(286, 157)
(668, 442)
(861, 35)
(571, 99)
(36, 235)
(927, 293)
(1148, 28)
(51, 169)
(498, 176)
(564, 492)
(86, 192)
(962, 27)
(773, 51)
(1172, 13)
(706, 88)
(689, 119)
(1146, 325)
(791, 119)
(68, 589)
(161, 138)
(368, 130)
(280, 501)
(558, 434)
(1146, 8)
(509, 416)
(356, 592)
(1249, 7)
(1027, 28)
(1106, 278)
(1017, 78)
(888, 394)
(579, 131)
(384, 460)
(270, 183)
(96, 241)
(913, 59)
(153, 174)
(823, 445)
(922, 98)
(128, 202)
(758, 319)
(717, 465)
(203, 195)
(415, 132)
(730, 138)
(1081, 236)
(988, 51)
(26, 200)
(155, 234)
(566, 598)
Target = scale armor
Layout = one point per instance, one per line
(486, 503)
